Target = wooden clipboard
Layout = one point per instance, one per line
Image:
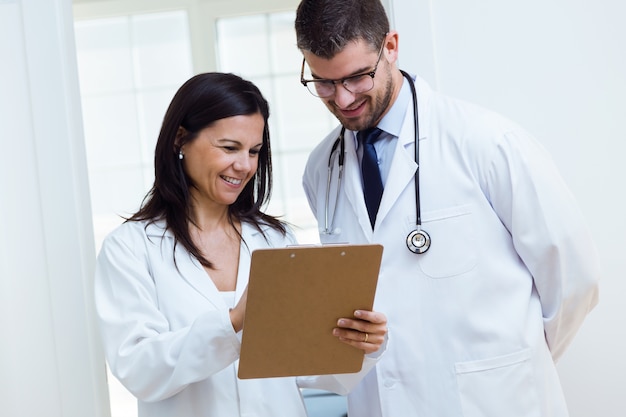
(295, 296)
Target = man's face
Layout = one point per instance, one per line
(361, 110)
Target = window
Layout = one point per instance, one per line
(127, 80)
(262, 48)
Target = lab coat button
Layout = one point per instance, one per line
(389, 383)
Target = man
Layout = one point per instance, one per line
(488, 270)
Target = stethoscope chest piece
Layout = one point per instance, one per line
(418, 241)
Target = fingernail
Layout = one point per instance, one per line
(358, 313)
(341, 322)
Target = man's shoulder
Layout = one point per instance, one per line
(321, 152)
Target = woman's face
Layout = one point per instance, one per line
(223, 158)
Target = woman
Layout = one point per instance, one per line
(171, 280)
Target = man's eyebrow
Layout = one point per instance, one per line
(360, 71)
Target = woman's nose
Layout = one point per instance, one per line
(243, 162)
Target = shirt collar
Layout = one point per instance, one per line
(392, 121)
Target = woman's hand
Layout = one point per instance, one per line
(366, 331)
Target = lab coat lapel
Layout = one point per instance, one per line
(402, 169)
(354, 186)
(253, 240)
(403, 166)
(189, 269)
(196, 276)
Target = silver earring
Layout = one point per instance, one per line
(180, 155)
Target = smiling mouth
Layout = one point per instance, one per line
(353, 110)
(232, 180)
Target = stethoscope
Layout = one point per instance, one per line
(418, 241)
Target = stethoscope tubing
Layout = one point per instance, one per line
(418, 210)
(418, 241)
(340, 162)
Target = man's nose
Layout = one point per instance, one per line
(343, 97)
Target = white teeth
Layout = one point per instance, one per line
(234, 181)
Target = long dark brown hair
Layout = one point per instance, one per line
(199, 102)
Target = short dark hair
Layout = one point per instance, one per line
(198, 103)
(325, 27)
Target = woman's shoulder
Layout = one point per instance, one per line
(131, 231)
(265, 234)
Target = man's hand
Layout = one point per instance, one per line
(365, 331)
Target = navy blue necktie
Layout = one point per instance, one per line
(372, 182)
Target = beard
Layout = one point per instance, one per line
(379, 104)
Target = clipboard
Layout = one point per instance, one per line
(295, 296)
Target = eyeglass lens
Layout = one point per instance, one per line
(355, 85)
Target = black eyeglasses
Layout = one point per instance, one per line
(358, 83)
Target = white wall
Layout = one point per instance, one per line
(559, 69)
(50, 362)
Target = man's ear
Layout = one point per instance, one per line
(391, 47)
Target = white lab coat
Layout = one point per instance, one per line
(479, 320)
(167, 334)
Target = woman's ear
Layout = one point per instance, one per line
(179, 141)
(180, 135)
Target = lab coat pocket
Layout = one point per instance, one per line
(496, 387)
(453, 242)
